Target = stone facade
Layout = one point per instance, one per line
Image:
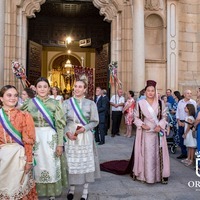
(189, 44)
(150, 39)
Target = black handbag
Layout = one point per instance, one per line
(194, 133)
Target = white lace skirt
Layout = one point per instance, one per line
(14, 183)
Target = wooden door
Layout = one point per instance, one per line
(101, 67)
(34, 61)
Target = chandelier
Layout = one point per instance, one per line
(68, 41)
(68, 64)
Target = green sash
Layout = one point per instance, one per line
(10, 129)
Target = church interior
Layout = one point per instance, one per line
(68, 39)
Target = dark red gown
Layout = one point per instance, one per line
(119, 167)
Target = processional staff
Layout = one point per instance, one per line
(20, 72)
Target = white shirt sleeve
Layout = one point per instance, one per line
(112, 100)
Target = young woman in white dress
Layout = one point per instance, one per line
(55, 94)
(189, 141)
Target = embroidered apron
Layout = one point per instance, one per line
(79, 152)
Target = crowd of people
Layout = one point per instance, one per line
(152, 114)
(177, 108)
(48, 141)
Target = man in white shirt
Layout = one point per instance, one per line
(117, 103)
(180, 116)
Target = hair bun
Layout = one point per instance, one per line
(84, 79)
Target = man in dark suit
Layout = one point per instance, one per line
(107, 113)
(101, 107)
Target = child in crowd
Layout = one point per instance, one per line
(189, 141)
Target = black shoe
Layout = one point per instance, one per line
(100, 143)
(70, 196)
(182, 156)
(164, 180)
(112, 135)
(118, 134)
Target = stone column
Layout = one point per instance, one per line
(138, 45)
(2, 39)
(172, 44)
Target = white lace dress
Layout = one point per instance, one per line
(189, 141)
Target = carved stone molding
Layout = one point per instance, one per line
(29, 7)
(108, 8)
(127, 2)
(154, 4)
(172, 44)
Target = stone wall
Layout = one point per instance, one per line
(189, 45)
(155, 43)
(126, 66)
(128, 19)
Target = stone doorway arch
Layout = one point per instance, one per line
(59, 71)
(16, 36)
(123, 16)
(60, 59)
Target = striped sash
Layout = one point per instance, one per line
(45, 112)
(78, 111)
(10, 129)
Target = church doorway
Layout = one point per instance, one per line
(48, 48)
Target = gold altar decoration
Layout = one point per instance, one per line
(62, 76)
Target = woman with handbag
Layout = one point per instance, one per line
(189, 141)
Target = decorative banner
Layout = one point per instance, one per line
(20, 73)
(114, 80)
(88, 73)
